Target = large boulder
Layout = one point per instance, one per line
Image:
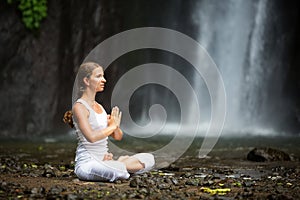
(267, 154)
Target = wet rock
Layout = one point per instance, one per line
(135, 182)
(37, 192)
(163, 186)
(174, 181)
(72, 197)
(150, 182)
(34, 190)
(247, 184)
(132, 195)
(40, 190)
(49, 173)
(56, 190)
(247, 194)
(3, 184)
(140, 196)
(34, 174)
(209, 182)
(143, 191)
(267, 154)
(188, 174)
(278, 197)
(193, 182)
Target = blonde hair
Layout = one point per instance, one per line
(85, 71)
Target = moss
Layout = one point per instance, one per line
(33, 12)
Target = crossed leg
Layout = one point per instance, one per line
(132, 164)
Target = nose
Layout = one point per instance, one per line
(103, 80)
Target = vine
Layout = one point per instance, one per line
(33, 11)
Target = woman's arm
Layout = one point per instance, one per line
(81, 115)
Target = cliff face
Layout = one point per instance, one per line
(28, 72)
(38, 68)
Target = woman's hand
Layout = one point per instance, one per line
(117, 134)
(117, 114)
(115, 118)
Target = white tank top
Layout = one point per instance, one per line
(85, 149)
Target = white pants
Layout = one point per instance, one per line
(93, 170)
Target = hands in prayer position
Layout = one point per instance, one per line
(115, 120)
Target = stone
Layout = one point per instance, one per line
(267, 154)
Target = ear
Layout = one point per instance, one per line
(86, 81)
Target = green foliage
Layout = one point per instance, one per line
(33, 11)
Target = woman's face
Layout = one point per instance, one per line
(97, 80)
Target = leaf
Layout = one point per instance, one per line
(36, 25)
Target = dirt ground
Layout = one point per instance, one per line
(45, 171)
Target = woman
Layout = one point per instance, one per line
(93, 127)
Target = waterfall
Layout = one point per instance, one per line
(248, 42)
(224, 31)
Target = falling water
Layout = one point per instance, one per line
(248, 43)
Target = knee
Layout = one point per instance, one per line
(82, 173)
(151, 160)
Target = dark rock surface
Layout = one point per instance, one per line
(267, 154)
(38, 68)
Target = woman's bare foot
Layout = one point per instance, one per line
(122, 158)
(108, 156)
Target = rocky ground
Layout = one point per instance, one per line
(45, 171)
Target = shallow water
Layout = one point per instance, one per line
(59, 150)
